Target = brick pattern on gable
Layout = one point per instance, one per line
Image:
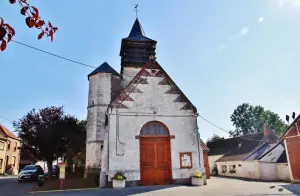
(153, 70)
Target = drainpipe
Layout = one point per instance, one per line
(198, 139)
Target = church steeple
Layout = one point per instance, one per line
(136, 49)
(137, 29)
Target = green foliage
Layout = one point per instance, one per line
(215, 138)
(119, 176)
(197, 174)
(249, 119)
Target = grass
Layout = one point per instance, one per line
(74, 180)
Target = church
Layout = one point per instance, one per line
(139, 121)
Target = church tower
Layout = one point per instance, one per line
(136, 50)
(104, 83)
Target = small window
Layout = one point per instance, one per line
(16, 145)
(232, 169)
(14, 161)
(1, 162)
(8, 146)
(2, 145)
(224, 168)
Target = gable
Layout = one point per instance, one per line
(292, 129)
(154, 84)
(8, 133)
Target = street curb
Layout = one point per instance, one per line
(33, 192)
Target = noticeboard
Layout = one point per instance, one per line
(186, 160)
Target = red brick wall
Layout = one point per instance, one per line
(293, 145)
(206, 165)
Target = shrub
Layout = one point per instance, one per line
(119, 176)
(197, 174)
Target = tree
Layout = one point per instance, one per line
(32, 19)
(215, 138)
(249, 119)
(47, 134)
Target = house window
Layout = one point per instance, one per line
(14, 161)
(1, 162)
(2, 145)
(8, 145)
(15, 148)
(232, 169)
(224, 168)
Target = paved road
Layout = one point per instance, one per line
(9, 186)
(215, 187)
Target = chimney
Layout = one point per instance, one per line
(266, 130)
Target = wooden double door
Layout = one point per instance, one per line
(155, 161)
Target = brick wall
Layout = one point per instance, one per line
(206, 164)
(293, 145)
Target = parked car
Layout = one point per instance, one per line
(30, 172)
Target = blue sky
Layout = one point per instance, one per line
(220, 53)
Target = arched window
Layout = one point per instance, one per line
(155, 129)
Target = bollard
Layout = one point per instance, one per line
(41, 180)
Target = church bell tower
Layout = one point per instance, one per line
(136, 49)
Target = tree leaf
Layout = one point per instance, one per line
(41, 23)
(3, 45)
(41, 35)
(55, 29)
(24, 10)
(2, 33)
(51, 34)
(9, 37)
(12, 1)
(36, 12)
(49, 24)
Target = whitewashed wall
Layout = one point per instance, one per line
(98, 100)
(244, 169)
(211, 161)
(283, 172)
(128, 74)
(268, 171)
(141, 111)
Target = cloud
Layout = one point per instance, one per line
(260, 19)
(234, 38)
(285, 3)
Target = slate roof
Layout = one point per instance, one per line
(8, 133)
(238, 148)
(104, 68)
(282, 158)
(137, 33)
(203, 145)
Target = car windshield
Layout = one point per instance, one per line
(30, 167)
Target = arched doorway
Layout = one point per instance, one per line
(155, 154)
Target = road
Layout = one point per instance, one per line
(9, 186)
(215, 187)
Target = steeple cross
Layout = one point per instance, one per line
(136, 10)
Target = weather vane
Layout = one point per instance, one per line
(136, 10)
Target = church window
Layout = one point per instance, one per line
(154, 129)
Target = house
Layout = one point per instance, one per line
(3, 144)
(205, 158)
(254, 156)
(139, 121)
(291, 139)
(10, 150)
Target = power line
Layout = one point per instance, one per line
(226, 130)
(55, 55)
(6, 119)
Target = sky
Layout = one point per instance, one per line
(220, 53)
